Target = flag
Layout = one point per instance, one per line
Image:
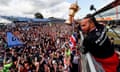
(12, 40)
(73, 41)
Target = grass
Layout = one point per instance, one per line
(111, 34)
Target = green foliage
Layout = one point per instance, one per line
(111, 34)
(38, 15)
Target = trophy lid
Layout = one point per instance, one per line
(74, 6)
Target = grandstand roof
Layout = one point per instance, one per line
(108, 7)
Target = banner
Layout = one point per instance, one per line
(13, 40)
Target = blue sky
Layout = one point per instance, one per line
(85, 5)
(49, 8)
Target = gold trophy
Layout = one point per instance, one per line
(72, 10)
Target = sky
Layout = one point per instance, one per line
(48, 8)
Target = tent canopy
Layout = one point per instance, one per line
(5, 21)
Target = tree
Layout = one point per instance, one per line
(39, 15)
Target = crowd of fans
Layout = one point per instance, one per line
(44, 49)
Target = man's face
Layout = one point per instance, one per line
(85, 25)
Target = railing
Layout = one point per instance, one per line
(90, 63)
(87, 64)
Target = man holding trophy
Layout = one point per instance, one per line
(96, 42)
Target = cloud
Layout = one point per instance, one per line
(60, 10)
(23, 6)
(4, 2)
(53, 8)
(46, 3)
(49, 8)
(29, 7)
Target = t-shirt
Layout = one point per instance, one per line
(68, 52)
(6, 67)
(76, 59)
